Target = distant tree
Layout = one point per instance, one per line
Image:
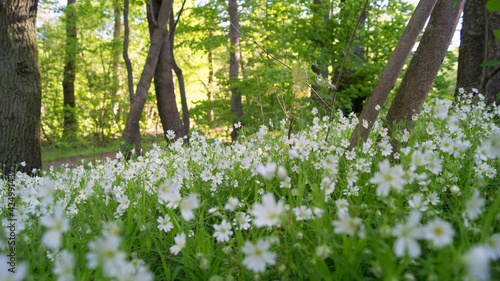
(478, 44)
(20, 90)
(163, 77)
(234, 63)
(130, 76)
(69, 101)
(425, 64)
(160, 31)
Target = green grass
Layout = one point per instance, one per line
(89, 149)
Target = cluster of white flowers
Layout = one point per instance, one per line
(274, 185)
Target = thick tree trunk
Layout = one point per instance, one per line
(20, 91)
(70, 126)
(164, 82)
(490, 83)
(425, 64)
(391, 71)
(234, 62)
(130, 77)
(478, 44)
(141, 93)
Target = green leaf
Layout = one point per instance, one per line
(491, 63)
(270, 91)
(493, 6)
(322, 82)
(497, 34)
(299, 77)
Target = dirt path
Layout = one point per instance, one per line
(77, 160)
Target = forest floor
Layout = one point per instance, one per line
(77, 160)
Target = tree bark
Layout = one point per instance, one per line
(130, 76)
(472, 44)
(490, 83)
(211, 79)
(70, 126)
(178, 73)
(20, 91)
(391, 71)
(425, 64)
(117, 34)
(234, 62)
(164, 81)
(141, 93)
(478, 44)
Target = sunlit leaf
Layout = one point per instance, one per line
(270, 91)
(300, 77)
(322, 82)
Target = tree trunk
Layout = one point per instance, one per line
(70, 126)
(234, 62)
(164, 82)
(391, 71)
(472, 43)
(117, 34)
(130, 76)
(178, 73)
(210, 92)
(491, 80)
(478, 44)
(425, 64)
(136, 108)
(20, 91)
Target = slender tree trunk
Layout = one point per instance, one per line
(130, 76)
(70, 126)
(141, 93)
(117, 34)
(425, 64)
(164, 81)
(210, 92)
(234, 62)
(20, 91)
(178, 73)
(391, 71)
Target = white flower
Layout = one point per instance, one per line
(165, 224)
(268, 213)
(104, 251)
(267, 171)
(243, 220)
(492, 246)
(473, 206)
(56, 225)
(342, 205)
(180, 243)
(346, 224)
(232, 204)
(21, 269)
(170, 134)
(439, 232)
(223, 231)
(166, 189)
(258, 256)
(388, 177)
(417, 203)
(187, 205)
(407, 235)
(64, 265)
(302, 213)
(477, 263)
